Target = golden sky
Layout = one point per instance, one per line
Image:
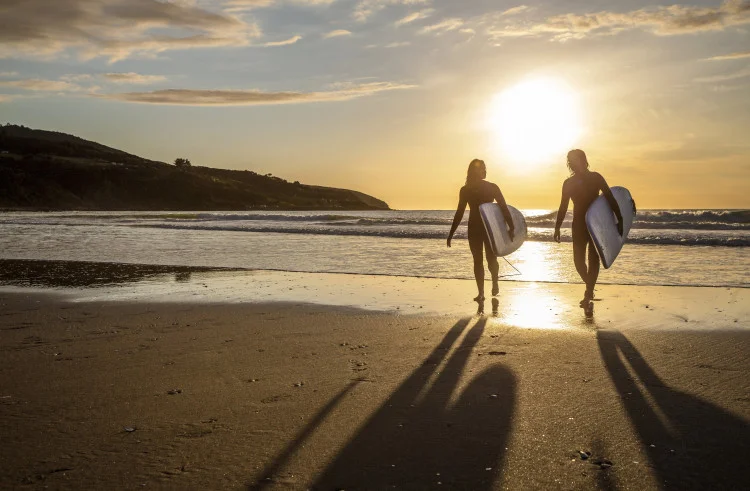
(395, 97)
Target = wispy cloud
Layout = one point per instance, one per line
(731, 56)
(241, 5)
(285, 42)
(191, 97)
(41, 85)
(81, 82)
(366, 8)
(442, 27)
(133, 78)
(397, 44)
(337, 33)
(725, 77)
(414, 16)
(117, 29)
(244, 5)
(662, 20)
(8, 74)
(517, 10)
(77, 77)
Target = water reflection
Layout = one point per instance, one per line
(539, 261)
(495, 306)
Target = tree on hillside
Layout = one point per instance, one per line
(182, 163)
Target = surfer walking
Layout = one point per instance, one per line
(583, 188)
(477, 191)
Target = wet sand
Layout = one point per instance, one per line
(108, 390)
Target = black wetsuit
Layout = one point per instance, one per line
(475, 195)
(583, 188)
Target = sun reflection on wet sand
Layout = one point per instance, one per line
(533, 306)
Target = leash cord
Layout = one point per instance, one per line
(518, 273)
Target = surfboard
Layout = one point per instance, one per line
(497, 230)
(602, 224)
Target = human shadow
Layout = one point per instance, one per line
(423, 438)
(691, 443)
(414, 383)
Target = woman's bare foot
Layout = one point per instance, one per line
(588, 309)
(587, 298)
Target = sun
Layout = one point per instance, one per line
(535, 121)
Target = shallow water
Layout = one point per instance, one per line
(130, 238)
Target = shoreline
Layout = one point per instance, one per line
(156, 269)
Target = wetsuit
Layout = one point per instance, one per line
(475, 195)
(583, 188)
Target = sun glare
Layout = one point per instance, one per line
(535, 121)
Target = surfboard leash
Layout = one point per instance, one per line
(509, 264)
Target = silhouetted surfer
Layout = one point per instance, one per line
(476, 192)
(583, 188)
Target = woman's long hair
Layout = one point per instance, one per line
(476, 172)
(581, 155)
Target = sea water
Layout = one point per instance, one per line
(665, 247)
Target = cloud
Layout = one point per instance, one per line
(77, 77)
(8, 74)
(725, 77)
(414, 16)
(192, 97)
(285, 42)
(41, 85)
(730, 56)
(133, 78)
(366, 8)
(442, 27)
(337, 33)
(397, 44)
(81, 82)
(245, 5)
(662, 20)
(517, 10)
(116, 29)
(6, 98)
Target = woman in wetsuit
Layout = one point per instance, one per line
(583, 188)
(476, 192)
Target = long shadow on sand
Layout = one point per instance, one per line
(691, 443)
(421, 438)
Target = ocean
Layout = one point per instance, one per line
(665, 247)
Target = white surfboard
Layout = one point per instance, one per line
(497, 231)
(602, 224)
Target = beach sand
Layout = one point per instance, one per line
(263, 380)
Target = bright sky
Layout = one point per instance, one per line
(395, 97)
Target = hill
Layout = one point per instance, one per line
(45, 170)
